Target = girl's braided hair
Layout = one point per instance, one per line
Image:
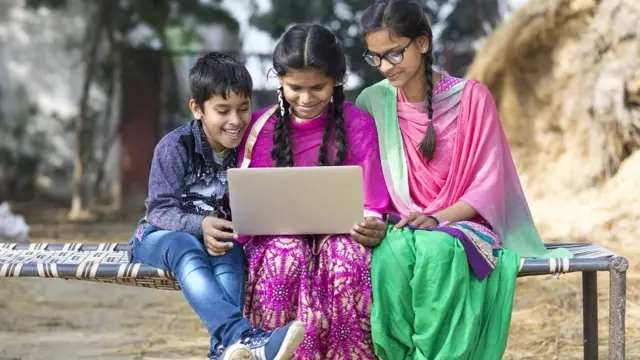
(306, 46)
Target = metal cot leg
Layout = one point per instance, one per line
(590, 314)
(617, 307)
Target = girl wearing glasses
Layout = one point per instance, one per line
(443, 278)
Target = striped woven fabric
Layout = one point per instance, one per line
(109, 263)
(106, 263)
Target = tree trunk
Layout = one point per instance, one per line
(164, 94)
(109, 136)
(79, 198)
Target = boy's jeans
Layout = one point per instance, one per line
(213, 286)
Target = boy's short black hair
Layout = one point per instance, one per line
(217, 74)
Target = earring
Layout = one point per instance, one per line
(281, 102)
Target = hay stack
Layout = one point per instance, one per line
(566, 77)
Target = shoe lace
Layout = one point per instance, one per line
(216, 353)
(255, 336)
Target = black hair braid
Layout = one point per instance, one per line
(341, 135)
(322, 153)
(335, 116)
(428, 144)
(282, 154)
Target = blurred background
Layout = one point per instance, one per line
(88, 87)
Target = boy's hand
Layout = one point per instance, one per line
(212, 232)
(369, 232)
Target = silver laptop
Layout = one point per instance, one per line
(296, 200)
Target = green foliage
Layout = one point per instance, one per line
(470, 20)
(467, 20)
(159, 15)
(52, 4)
(340, 16)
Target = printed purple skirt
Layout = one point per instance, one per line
(325, 283)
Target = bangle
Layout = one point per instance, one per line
(434, 219)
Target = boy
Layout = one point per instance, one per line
(187, 228)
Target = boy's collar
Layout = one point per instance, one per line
(204, 148)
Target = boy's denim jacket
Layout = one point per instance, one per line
(187, 182)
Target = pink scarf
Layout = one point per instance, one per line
(472, 163)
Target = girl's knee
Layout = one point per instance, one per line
(292, 246)
(288, 242)
(288, 256)
(394, 258)
(441, 249)
(439, 242)
(347, 253)
(388, 251)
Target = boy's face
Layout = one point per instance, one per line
(224, 120)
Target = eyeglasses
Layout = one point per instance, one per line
(394, 57)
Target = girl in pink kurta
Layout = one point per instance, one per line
(323, 281)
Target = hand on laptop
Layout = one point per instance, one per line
(369, 232)
(213, 232)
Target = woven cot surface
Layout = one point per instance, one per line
(106, 263)
(109, 263)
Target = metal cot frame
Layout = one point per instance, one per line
(109, 263)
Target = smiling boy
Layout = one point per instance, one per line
(187, 228)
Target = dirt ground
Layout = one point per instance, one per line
(58, 319)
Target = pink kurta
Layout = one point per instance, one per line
(326, 285)
(306, 138)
